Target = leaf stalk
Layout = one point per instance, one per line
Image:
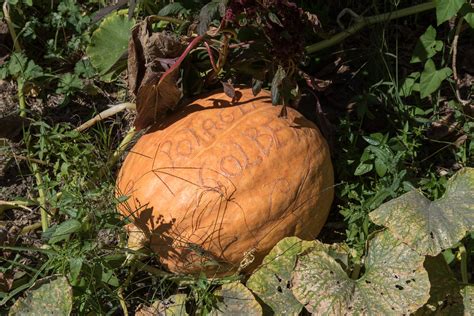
(366, 21)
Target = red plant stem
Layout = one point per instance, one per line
(191, 45)
(211, 57)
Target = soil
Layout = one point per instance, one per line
(16, 180)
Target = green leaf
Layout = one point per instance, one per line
(410, 84)
(69, 83)
(75, 267)
(108, 276)
(394, 281)
(380, 167)
(363, 168)
(470, 19)
(236, 299)
(431, 78)
(270, 282)
(109, 42)
(427, 46)
(48, 296)
(446, 9)
(174, 8)
(207, 13)
(430, 227)
(64, 230)
(276, 84)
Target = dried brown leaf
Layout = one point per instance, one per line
(155, 98)
(136, 57)
(6, 281)
(150, 56)
(229, 89)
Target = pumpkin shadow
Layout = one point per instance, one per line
(182, 245)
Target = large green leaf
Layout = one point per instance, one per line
(236, 299)
(272, 281)
(394, 281)
(49, 296)
(446, 9)
(427, 46)
(109, 43)
(430, 227)
(431, 78)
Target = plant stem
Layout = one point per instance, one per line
(25, 230)
(355, 273)
(167, 19)
(123, 303)
(454, 52)
(21, 97)
(365, 21)
(8, 205)
(463, 253)
(11, 29)
(42, 197)
(16, 44)
(105, 114)
(121, 147)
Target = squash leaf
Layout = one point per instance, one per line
(48, 296)
(109, 43)
(172, 306)
(468, 297)
(430, 227)
(272, 281)
(236, 299)
(394, 281)
(445, 296)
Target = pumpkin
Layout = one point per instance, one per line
(215, 186)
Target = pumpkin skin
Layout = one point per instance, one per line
(218, 183)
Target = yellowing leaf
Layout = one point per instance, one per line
(394, 281)
(48, 296)
(430, 227)
(236, 299)
(270, 282)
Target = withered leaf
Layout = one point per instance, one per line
(207, 13)
(150, 54)
(256, 86)
(136, 57)
(153, 69)
(229, 89)
(156, 97)
(6, 281)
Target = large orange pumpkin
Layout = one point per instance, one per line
(219, 183)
